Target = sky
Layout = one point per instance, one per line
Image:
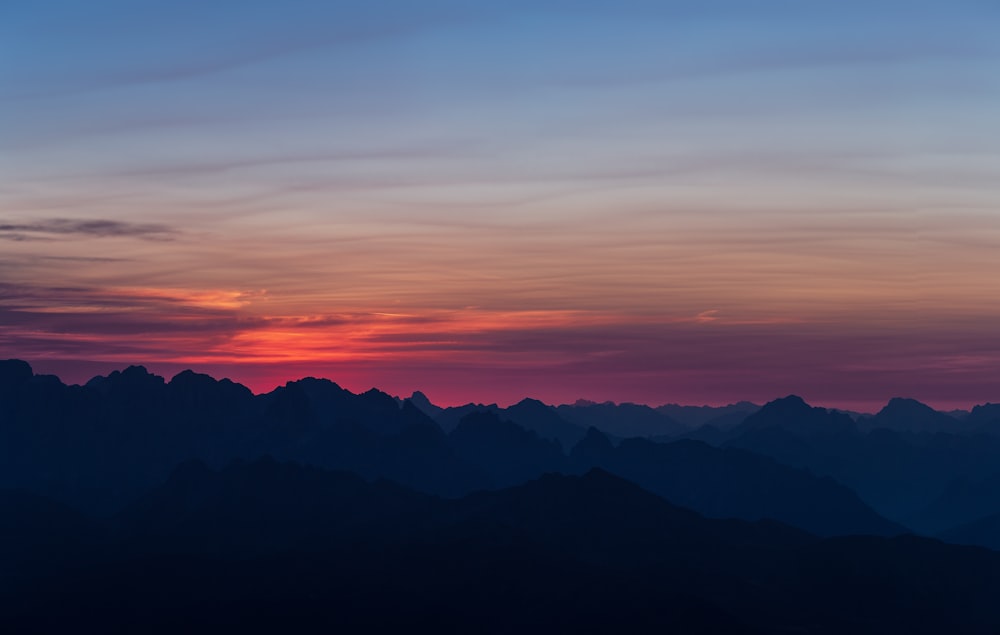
(691, 202)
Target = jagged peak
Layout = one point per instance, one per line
(906, 404)
(15, 371)
(532, 402)
(419, 397)
(313, 381)
(190, 376)
(791, 400)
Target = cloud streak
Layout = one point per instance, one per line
(552, 354)
(93, 228)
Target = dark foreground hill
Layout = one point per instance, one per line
(272, 547)
(982, 531)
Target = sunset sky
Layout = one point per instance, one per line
(694, 202)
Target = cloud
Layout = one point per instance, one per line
(491, 354)
(98, 228)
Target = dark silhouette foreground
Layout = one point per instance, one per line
(267, 546)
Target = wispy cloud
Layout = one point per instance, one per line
(97, 228)
(554, 354)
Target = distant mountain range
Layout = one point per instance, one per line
(134, 478)
(99, 446)
(901, 470)
(568, 423)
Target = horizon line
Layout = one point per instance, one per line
(168, 378)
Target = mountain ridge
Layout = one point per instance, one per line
(264, 544)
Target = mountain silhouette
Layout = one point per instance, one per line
(99, 446)
(568, 423)
(545, 421)
(505, 451)
(792, 414)
(962, 502)
(424, 404)
(267, 545)
(621, 420)
(732, 483)
(722, 417)
(39, 537)
(909, 415)
(263, 506)
(14, 374)
(898, 472)
(985, 418)
(984, 532)
(530, 414)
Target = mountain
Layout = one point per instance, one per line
(732, 483)
(792, 432)
(98, 446)
(909, 415)
(544, 421)
(792, 414)
(424, 404)
(101, 445)
(621, 420)
(530, 414)
(261, 506)
(14, 373)
(899, 473)
(719, 416)
(39, 537)
(507, 452)
(962, 502)
(266, 505)
(985, 418)
(984, 532)
(320, 403)
(707, 433)
(265, 546)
